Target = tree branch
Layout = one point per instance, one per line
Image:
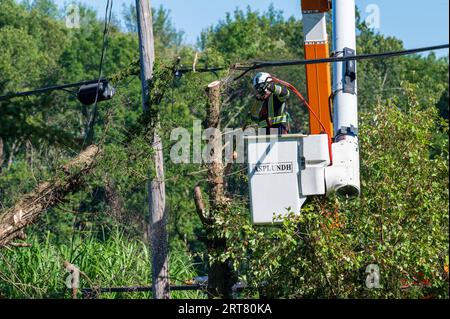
(67, 179)
(200, 207)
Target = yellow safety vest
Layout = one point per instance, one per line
(272, 119)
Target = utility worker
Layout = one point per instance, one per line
(272, 113)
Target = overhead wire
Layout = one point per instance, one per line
(47, 89)
(93, 116)
(247, 68)
(264, 64)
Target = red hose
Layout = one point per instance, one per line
(303, 100)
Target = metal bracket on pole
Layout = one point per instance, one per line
(349, 72)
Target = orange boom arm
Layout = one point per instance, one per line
(318, 77)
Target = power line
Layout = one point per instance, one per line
(62, 87)
(265, 64)
(238, 66)
(93, 116)
(48, 89)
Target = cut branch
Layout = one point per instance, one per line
(20, 245)
(68, 178)
(200, 207)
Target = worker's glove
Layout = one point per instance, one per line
(270, 87)
(262, 87)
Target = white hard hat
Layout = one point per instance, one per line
(260, 78)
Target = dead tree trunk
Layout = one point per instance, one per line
(68, 178)
(220, 280)
(215, 166)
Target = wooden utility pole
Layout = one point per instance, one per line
(158, 218)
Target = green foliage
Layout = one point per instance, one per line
(381, 79)
(400, 222)
(443, 105)
(113, 261)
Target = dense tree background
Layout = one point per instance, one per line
(400, 222)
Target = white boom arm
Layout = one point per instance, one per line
(343, 176)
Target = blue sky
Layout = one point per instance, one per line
(416, 22)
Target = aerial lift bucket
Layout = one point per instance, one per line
(283, 170)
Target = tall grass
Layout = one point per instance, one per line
(116, 261)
